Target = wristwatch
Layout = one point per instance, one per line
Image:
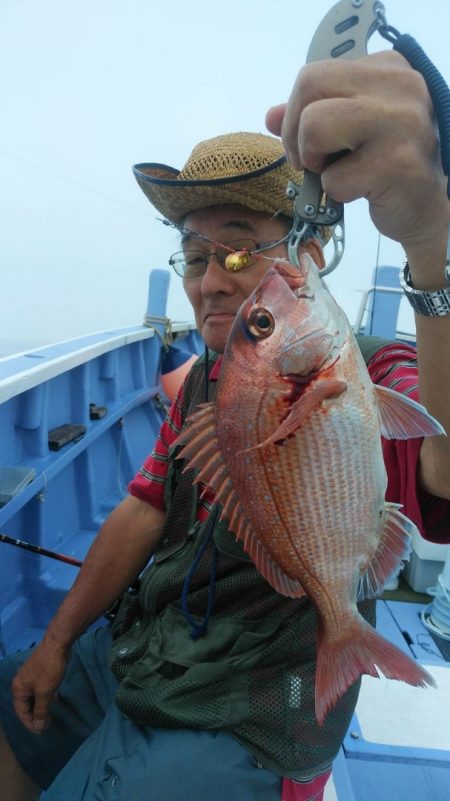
(430, 302)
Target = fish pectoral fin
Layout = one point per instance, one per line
(403, 418)
(312, 397)
(394, 547)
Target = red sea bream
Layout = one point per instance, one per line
(292, 448)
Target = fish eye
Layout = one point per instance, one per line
(261, 323)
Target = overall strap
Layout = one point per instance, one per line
(180, 492)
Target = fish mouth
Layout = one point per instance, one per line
(294, 277)
(317, 340)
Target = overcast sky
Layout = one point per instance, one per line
(93, 86)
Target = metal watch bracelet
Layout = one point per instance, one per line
(432, 302)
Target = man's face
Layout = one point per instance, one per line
(217, 295)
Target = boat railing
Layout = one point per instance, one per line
(388, 327)
(77, 419)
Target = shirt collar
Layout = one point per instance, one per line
(215, 370)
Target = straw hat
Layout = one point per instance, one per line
(249, 169)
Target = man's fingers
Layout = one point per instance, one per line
(41, 718)
(383, 80)
(23, 705)
(35, 685)
(32, 708)
(274, 119)
(332, 126)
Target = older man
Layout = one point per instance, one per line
(201, 699)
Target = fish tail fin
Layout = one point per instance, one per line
(340, 664)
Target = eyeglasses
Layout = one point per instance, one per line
(192, 263)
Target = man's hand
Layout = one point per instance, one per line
(367, 126)
(120, 551)
(35, 684)
(375, 113)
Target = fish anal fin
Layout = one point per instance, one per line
(322, 389)
(403, 418)
(393, 548)
(342, 661)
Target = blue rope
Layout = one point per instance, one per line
(199, 629)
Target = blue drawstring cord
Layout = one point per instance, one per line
(199, 629)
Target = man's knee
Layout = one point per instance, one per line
(15, 784)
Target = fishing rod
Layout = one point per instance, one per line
(37, 549)
(110, 613)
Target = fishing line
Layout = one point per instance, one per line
(67, 180)
(375, 283)
(426, 646)
(121, 489)
(206, 375)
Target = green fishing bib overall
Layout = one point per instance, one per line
(252, 672)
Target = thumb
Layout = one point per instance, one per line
(274, 118)
(41, 717)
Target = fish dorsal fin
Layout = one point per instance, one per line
(301, 409)
(269, 569)
(403, 418)
(201, 446)
(201, 449)
(393, 548)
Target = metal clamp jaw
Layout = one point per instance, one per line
(311, 203)
(343, 33)
(311, 208)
